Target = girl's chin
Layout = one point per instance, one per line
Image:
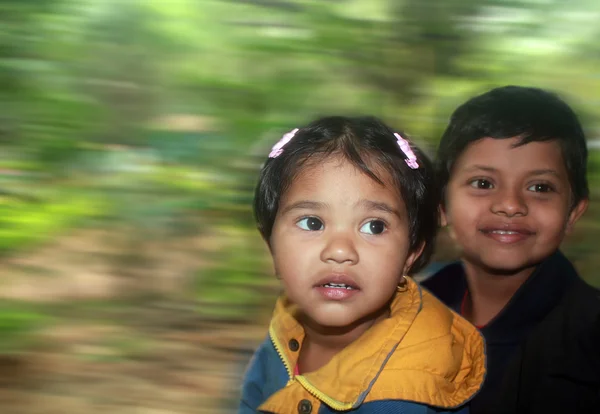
(329, 321)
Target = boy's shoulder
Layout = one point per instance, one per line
(448, 284)
(561, 357)
(579, 310)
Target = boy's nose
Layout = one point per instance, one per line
(340, 248)
(509, 203)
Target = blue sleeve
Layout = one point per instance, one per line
(246, 407)
(253, 384)
(397, 407)
(462, 410)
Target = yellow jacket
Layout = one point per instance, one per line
(423, 353)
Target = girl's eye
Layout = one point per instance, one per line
(310, 224)
(373, 227)
(481, 184)
(540, 188)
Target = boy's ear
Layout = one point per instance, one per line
(442, 215)
(576, 214)
(444, 222)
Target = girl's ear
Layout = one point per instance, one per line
(412, 257)
(268, 244)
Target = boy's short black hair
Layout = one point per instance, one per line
(366, 142)
(514, 111)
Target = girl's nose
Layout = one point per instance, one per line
(340, 248)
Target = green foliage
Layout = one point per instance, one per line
(25, 223)
(18, 326)
(236, 285)
(82, 80)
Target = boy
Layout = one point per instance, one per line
(512, 165)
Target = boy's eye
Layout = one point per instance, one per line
(481, 184)
(373, 227)
(310, 224)
(540, 188)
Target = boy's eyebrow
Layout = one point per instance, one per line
(480, 167)
(546, 171)
(492, 169)
(305, 205)
(379, 206)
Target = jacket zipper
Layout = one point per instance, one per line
(335, 404)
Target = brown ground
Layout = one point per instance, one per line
(146, 356)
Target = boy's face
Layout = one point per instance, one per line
(336, 225)
(507, 207)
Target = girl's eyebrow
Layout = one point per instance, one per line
(305, 205)
(378, 206)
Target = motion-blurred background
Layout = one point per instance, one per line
(131, 133)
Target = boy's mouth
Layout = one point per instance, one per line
(507, 234)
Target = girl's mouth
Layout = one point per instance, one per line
(338, 286)
(336, 292)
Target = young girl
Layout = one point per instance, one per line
(348, 209)
(513, 167)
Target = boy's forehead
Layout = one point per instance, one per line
(510, 155)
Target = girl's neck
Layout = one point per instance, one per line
(489, 293)
(322, 343)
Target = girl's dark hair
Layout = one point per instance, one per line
(531, 114)
(363, 141)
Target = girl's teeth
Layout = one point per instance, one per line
(337, 285)
(504, 232)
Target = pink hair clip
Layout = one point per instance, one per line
(278, 148)
(411, 158)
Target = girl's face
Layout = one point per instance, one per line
(508, 207)
(340, 243)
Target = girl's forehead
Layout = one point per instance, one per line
(336, 176)
(339, 164)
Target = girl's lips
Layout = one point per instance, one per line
(336, 293)
(337, 286)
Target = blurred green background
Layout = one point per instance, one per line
(131, 133)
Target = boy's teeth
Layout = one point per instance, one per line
(504, 232)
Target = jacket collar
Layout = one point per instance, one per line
(540, 293)
(345, 381)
